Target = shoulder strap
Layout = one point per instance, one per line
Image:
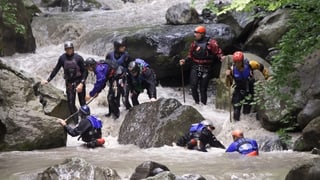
(95, 122)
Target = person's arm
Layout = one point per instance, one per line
(80, 129)
(232, 147)
(215, 49)
(56, 69)
(189, 56)
(101, 79)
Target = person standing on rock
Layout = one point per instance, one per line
(204, 52)
(75, 75)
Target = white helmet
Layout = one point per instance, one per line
(207, 122)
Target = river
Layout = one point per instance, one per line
(215, 164)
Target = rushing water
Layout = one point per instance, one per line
(215, 164)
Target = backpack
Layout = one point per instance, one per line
(142, 63)
(112, 66)
(95, 131)
(197, 127)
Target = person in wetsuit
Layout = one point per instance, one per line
(75, 75)
(204, 53)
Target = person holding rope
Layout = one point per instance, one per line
(104, 71)
(203, 53)
(89, 128)
(75, 75)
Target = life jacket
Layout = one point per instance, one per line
(241, 78)
(120, 60)
(196, 128)
(112, 67)
(95, 131)
(245, 147)
(200, 52)
(71, 69)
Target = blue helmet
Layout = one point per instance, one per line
(85, 110)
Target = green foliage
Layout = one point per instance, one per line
(302, 38)
(284, 136)
(8, 12)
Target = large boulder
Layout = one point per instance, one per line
(308, 170)
(182, 13)
(77, 168)
(270, 30)
(311, 133)
(157, 123)
(23, 124)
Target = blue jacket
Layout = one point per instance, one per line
(101, 72)
(244, 146)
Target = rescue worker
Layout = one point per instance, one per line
(204, 53)
(104, 72)
(121, 56)
(242, 74)
(75, 75)
(119, 53)
(245, 146)
(199, 137)
(141, 77)
(89, 128)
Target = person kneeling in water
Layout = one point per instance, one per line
(89, 128)
(245, 146)
(200, 137)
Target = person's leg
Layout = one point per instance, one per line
(82, 96)
(204, 82)
(71, 98)
(247, 104)
(194, 80)
(236, 99)
(113, 105)
(134, 98)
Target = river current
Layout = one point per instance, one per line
(215, 164)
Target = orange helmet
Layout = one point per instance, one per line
(237, 56)
(200, 29)
(237, 133)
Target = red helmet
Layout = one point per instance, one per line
(237, 133)
(237, 56)
(200, 29)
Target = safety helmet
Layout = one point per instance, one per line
(237, 56)
(89, 62)
(206, 122)
(133, 67)
(237, 133)
(200, 29)
(68, 44)
(118, 43)
(85, 110)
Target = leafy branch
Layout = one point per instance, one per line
(8, 12)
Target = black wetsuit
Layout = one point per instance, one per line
(74, 74)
